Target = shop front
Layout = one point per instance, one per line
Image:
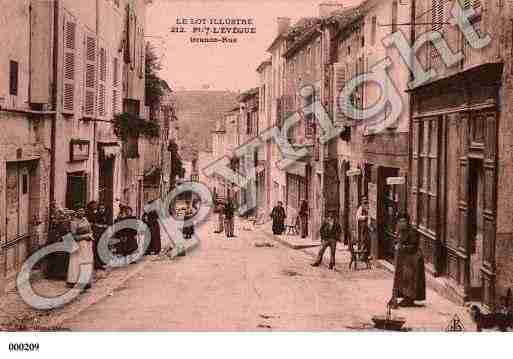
(453, 188)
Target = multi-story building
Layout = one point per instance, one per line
(68, 68)
(302, 88)
(368, 153)
(226, 137)
(277, 49)
(460, 155)
(25, 129)
(265, 122)
(253, 196)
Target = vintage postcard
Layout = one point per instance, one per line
(255, 166)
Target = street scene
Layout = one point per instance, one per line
(311, 166)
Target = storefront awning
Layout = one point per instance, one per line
(298, 169)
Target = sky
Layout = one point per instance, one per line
(193, 66)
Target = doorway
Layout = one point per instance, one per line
(106, 184)
(475, 226)
(387, 212)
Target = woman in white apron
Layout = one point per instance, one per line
(82, 259)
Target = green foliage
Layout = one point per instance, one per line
(127, 125)
(154, 85)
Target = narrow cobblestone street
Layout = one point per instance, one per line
(238, 284)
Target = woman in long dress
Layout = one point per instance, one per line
(152, 221)
(303, 218)
(409, 276)
(82, 259)
(278, 215)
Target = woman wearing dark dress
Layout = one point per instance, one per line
(303, 218)
(278, 215)
(100, 224)
(188, 229)
(409, 275)
(152, 221)
(127, 236)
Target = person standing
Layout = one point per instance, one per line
(409, 275)
(100, 224)
(278, 215)
(362, 219)
(363, 228)
(128, 236)
(151, 219)
(303, 218)
(229, 214)
(188, 229)
(81, 259)
(220, 218)
(330, 235)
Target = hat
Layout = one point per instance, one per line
(365, 200)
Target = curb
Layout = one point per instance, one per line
(286, 243)
(437, 285)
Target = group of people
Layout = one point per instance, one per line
(226, 218)
(279, 215)
(87, 228)
(409, 276)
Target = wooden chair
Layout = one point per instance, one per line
(358, 254)
(293, 228)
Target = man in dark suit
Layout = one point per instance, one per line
(330, 235)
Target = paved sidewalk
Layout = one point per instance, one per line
(15, 314)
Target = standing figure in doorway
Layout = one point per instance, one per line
(278, 215)
(330, 235)
(303, 218)
(82, 259)
(409, 276)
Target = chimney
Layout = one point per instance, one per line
(327, 8)
(283, 25)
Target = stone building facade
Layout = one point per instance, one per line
(460, 155)
(67, 68)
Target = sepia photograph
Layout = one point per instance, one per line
(241, 166)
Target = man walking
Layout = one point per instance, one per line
(330, 235)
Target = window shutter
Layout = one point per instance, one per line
(70, 48)
(339, 73)
(115, 85)
(102, 108)
(90, 76)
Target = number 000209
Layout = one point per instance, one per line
(23, 347)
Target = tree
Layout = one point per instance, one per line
(154, 85)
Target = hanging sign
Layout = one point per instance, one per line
(396, 181)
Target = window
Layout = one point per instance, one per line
(374, 28)
(13, 78)
(394, 16)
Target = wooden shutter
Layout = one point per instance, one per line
(69, 76)
(90, 76)
(102, 108)
(115, 85)
(339, 73)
